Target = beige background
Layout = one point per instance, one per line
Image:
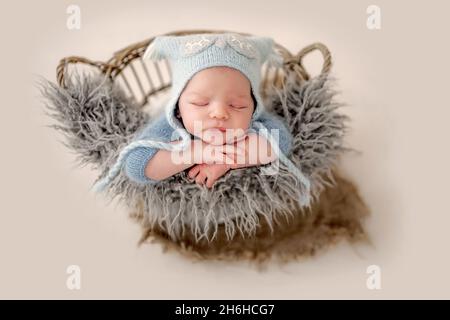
(395, 81)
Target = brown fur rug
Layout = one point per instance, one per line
(337, 215)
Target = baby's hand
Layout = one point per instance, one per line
(202, 152)
(254, 150)
(208, 173)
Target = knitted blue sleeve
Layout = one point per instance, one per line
(136, 162)
(272, 121)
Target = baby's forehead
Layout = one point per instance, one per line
(206, 93)
(219, 72)
(218, 81)
(222, 69)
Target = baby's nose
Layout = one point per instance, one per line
(219, 111)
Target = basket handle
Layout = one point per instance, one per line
(296, 62)
(61, 69)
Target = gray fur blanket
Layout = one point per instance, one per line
(98, 121)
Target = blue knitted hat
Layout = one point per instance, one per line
(193, 53)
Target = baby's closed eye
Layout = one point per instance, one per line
(199, 103)
(237, 106)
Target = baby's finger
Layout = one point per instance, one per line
(231, 149)
(230, 160)
(211, 159)
(215, 156)
(193, 171)
(200, 179)
(241, 144)
(210, 182)
(240, 159)
(220, 158)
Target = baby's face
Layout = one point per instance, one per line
(217, 99)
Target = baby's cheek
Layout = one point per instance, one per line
(191, 125)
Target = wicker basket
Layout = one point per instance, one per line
(338, 213)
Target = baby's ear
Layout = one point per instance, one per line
(162, 47)
(266, 49)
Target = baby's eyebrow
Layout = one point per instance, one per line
(241, 95)
(201, 95)
(196, 94)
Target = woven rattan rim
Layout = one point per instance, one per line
(114, 66)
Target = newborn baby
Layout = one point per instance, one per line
(216, 108)
(215, 119)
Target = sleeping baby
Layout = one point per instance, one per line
(215, 120)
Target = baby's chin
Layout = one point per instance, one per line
(219, 137)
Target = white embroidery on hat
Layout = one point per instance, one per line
(196, 45)
(199, 43)
(242, 46)
(220, 42)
